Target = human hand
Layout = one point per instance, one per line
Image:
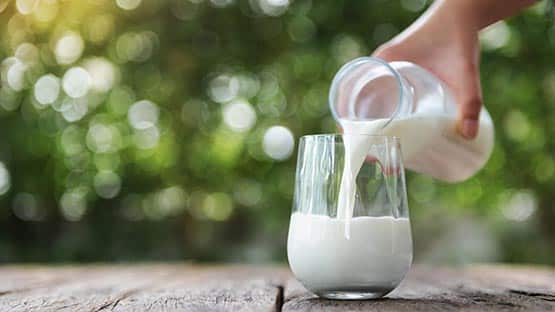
(442, 42)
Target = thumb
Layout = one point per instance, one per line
(386, 52)
(468, 117)
(469, 110)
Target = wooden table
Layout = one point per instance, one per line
(187, 287)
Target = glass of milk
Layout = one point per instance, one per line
(349, 236)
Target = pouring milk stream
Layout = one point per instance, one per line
(372, 97)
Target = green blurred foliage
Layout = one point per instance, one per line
(161, 130)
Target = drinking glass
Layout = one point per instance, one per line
(367, 255)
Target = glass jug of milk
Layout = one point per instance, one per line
(371, 96)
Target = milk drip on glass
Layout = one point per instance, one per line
(371, 96)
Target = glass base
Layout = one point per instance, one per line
(353, 294)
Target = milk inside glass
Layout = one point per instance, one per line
(378, 253)
(373, 259)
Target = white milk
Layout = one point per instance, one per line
(429, 143)
(375, 258)
(356, 150)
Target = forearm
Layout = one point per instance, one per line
(478, 14)
(461, 18)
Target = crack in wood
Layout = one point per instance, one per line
(279, 298)
(6, 292)
(113, 303)
(490, 300)
(536, 295)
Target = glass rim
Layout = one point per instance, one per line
(375, 136)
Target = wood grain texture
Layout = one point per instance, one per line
(186, 287)
(141, 288)
(479, 288)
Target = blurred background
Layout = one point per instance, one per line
(167, 130)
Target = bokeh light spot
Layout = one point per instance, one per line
(102, 72)
(76, 82)
(47, 89)
(147, 138)
(128, 4)
(495, 36)
(26, 6)
(249, 85)
(137, 47)
(5, 181)
(72, 140)
(46, 10)
(27, 53)
(345, 48)
(4, 5)
(239, 115)
(69, 48)
(248, 193)
(107, 184)
(278, 142)
(221, 3)
(73, 204)
(217, 206)
(99, 28)
(107, 161)
(171, 201)
(103, 138)
(270, 7)
(521, 206)
(143, 114)
(517, 127)
(74, 109)
(27, 208)
(223, 88)
(16, 76)
(9, 99)
(413, 5)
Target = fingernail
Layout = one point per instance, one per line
(469, 128)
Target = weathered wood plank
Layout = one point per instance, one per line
(21, 278)
(483, 288)
(78, 289)
(146, 288)
(212, 289)
(243, 288)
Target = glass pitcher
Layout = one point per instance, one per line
(371, 96)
